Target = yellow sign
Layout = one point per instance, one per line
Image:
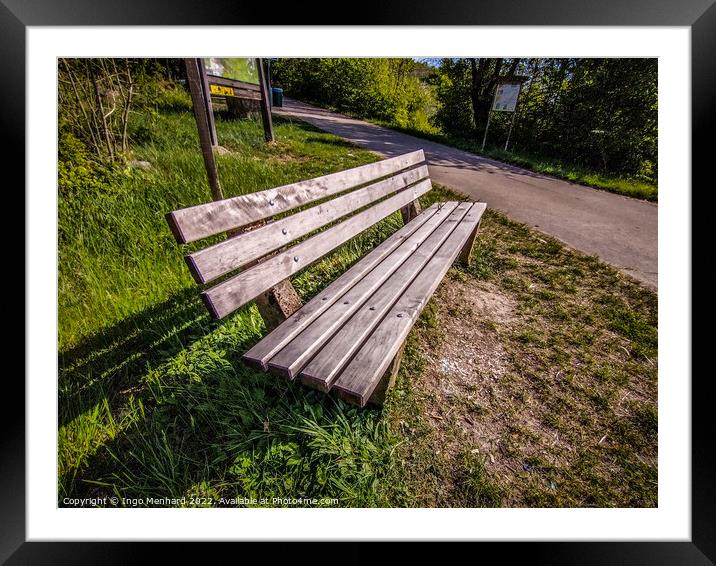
(221, 90)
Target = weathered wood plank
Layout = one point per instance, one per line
(229, 295)
(325, 366)
(197, 222)
(260, 353)
(226, 256)
(362, 374)
(466, 251)
(291, 359)
(233, 83)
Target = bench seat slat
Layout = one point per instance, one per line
(295, 354)
(226, 256)
(260, 353)
(226, 297)
(337, 351)
(359, 378)
(204, 220)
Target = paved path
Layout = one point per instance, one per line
(618, 229)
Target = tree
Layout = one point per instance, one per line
(600, 114)
(98, 96)
(387, 89)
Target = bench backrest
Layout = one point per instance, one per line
(377, 190)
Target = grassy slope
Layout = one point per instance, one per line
(153, 398)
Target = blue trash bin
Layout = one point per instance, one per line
(277, 96)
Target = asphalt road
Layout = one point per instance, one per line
(620, 230)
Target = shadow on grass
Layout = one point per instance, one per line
(335, 142)
(211, 425)
(194, 419)
(108, 362)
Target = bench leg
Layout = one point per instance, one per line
(388, 379)
(410, 211)
(280, 301)
(277, 304)
(467, 248)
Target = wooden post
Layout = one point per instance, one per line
(281, 300)
(268, 82)
(466, 251)
(388, 379)
(206, 91)
(202, 125)
(410, 211)
(277, 304)
(265, 105)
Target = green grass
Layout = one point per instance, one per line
(155, 402)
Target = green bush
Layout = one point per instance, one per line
(77, 170)
(173, 98)
(389, 90)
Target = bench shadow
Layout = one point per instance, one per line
(209, 393)
(113, 359)
(227, 407)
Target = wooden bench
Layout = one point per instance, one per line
(348, 338)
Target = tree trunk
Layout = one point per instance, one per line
(482, 89)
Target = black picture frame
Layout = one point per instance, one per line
(699, 15)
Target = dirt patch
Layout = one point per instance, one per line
(469, 379)
(221, 150)
(530, 430)
(472, 357)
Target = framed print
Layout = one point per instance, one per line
(167, 396)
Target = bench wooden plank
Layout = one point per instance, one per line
(226, 256)
(291, 359)
(203, 220)
(226, 297)
(261, 352)
(325, 366)
(363, 373)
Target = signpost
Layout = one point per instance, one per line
(507, 94)
(265, 102)
(202, 113)
(233, 79)
(208, 108)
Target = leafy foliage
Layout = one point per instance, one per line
(97, 98)
(597, 114)
(384, 89)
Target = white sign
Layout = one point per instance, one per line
(506, 97)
